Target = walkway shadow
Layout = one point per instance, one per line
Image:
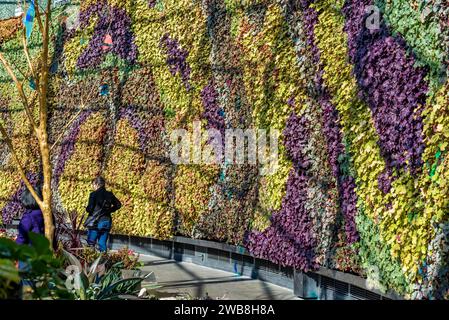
(201, 282)
(157, 262)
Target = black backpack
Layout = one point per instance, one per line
(93, 219)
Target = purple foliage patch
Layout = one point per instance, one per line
(68, 145)
(294, 133)
(146, 130)
(331, 130)
(384, 181)
(393, 88)
(336, 151)
(288, 240)
(310, 19)
(117, 24)
(305, 4)
(176, 59)
(213, 113)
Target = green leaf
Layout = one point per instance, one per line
(8, 248)
(9, 271)
(40, 243)
(84, 281)
(26, 252)
(93, 270)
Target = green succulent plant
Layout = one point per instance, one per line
(95, 282)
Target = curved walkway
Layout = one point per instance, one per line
(183, 278)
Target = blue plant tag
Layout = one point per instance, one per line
(32, 84)
(29, 20)
(104, 89)
(54, 67)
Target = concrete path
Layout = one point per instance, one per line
(178, 278)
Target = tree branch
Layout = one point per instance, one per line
(30, 64)
(38, 17)
(44, 74)
(74, 117)
(65, 128)
(21, 92)
(19, 165)
(18, 70)
(27, 54)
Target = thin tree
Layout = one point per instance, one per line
(39, 72)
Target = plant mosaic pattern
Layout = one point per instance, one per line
(363, 173)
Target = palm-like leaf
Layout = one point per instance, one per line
(93, 271)
(73, 260)
(123, 286)
(111, 284)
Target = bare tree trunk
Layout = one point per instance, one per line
(43, 132)
(46, 188)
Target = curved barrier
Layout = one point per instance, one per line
(323, 284)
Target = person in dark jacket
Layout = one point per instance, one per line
(103, 203)
(32, 220)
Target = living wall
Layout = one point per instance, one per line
(362, 180)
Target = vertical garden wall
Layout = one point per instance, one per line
(362, 182)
